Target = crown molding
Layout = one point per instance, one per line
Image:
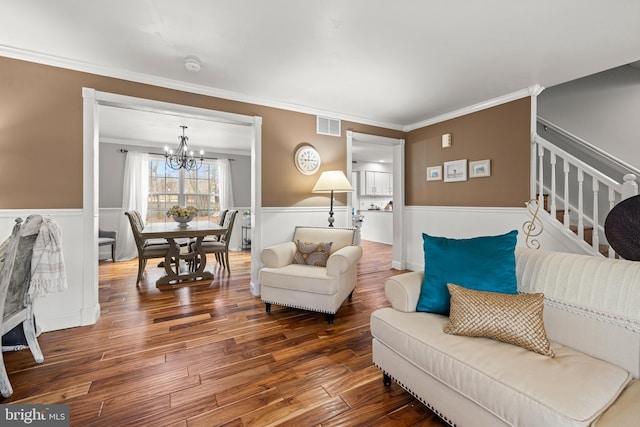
(60, 62)
(523, 93)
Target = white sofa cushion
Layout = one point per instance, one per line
(592, 304)
(625, 411)
(518, 386)
(300, 277)
(605, 288)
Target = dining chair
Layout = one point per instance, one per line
(147, 248)
(15, 299)
(221, 217)
(221, 248)
(108, 238)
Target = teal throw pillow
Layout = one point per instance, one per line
(486, 263)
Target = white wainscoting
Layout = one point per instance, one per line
(278, 224)
(65, 309)
(465, 222)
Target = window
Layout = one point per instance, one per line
(168, 187)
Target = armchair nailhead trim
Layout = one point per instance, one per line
(301, 307)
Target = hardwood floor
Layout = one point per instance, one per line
(205, 354)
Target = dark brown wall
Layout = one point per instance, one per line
(501, 134)
(41, 137)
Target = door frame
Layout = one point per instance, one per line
(399, 260)
(92, 100)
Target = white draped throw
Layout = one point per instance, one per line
(47, 264)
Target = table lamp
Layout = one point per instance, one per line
(332, 182)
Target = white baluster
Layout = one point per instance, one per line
(566, 168)
(534, 157)
(595, 235)
(553, 186)
(580, 204)
(541, 176)
(612, 203)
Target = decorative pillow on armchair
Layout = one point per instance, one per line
(311, 253)
(486, 263)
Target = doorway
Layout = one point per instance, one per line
(92, 100)
(380, 158)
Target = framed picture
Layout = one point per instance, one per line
(480, 168)
(434, 173)
(455, 170)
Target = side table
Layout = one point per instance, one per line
(246, 237)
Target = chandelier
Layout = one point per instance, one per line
(183, 158)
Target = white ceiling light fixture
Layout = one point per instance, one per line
(192, 63)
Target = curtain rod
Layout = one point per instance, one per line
(124, 150)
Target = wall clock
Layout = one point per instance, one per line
(307, 160)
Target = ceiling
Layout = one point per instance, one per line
(388, 63)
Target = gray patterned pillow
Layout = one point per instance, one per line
(312, 253)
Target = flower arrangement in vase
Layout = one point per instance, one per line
(246, 216)
(182, 215)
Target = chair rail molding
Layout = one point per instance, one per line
(464, 222)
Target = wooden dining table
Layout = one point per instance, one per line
(172, 231)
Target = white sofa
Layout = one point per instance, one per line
(591, 317)
(310, 287)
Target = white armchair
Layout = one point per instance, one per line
(311, 287)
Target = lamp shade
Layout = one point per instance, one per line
(334, 181)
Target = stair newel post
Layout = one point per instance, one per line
(567, 220)
(629, 186)
(580, 204)
(595, 234)
(553, 185)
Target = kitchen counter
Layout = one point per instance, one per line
(377, 225)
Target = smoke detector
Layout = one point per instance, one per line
(192, 63)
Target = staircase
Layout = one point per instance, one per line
(576, 194)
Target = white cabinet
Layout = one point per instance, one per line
(367, 183)
(384, 182)
(374, 183)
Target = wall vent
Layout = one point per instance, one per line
(327, 126)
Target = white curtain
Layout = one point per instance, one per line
(224, 184)
(135, 190)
